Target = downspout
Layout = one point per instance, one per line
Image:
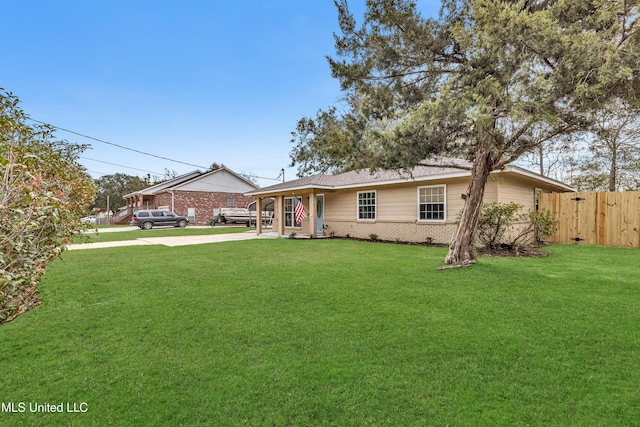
(172, 201)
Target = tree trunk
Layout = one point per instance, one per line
(613, 171)
(541, 151)
(462, 250)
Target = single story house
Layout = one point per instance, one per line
(196, 195)
(416, 206)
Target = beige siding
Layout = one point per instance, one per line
(397, 203)
(396, 213)
(455, 189)
(340, 205)
(491, 189)
(512, 189)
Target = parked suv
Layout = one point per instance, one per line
(147, 219)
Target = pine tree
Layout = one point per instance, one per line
(487, 80)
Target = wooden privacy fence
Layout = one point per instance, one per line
(611, 219)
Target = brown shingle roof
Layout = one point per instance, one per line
(365, 176)
(434, 169)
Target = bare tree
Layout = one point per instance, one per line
(616, 144)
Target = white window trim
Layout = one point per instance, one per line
(293, 213)
(444, 186)
(375, 206)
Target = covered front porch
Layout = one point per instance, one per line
(287, 221)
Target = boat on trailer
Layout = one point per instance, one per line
(246, 215)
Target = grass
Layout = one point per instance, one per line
(329, 332)
(155, 232)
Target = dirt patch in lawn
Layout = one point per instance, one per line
(513, 251)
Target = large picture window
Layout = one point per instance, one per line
(432, 203)
(367, 205)
(289, 215)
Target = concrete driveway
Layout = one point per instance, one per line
(172, 241)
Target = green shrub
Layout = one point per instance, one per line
(44, 192)
(544, 224)
(496, 221)
(504, 224)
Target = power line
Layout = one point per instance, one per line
(99, 173)
(141, 152)
(116, 145)
(249, 176)
(262, 177)
(122, 166)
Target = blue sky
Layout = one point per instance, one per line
(195, 81)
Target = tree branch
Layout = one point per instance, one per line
(444, 165)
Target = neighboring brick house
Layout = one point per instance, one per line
(195, 195)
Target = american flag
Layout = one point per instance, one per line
(299, 210)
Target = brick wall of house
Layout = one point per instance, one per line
(204, 203)
(394, 230)
(162, 199)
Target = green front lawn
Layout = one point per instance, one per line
(329, 332)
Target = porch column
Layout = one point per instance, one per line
(312, 214)
(279, 214)
(258, 215)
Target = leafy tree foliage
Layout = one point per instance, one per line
(215, 166)
(488, 80)
(157, 179)
(43, 193)
(116, 186)
(169, 174)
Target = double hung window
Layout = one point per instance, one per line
(289, 214)
(431, 203)
(367, 205)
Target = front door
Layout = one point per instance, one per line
(319, 214)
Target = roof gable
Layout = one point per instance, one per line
(221, 180)
(167, 184)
